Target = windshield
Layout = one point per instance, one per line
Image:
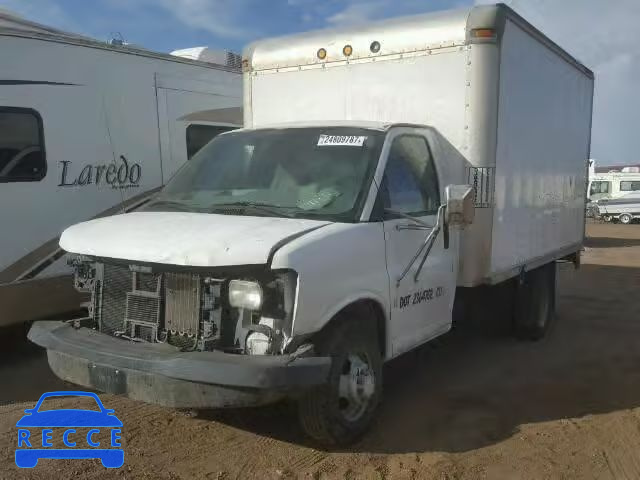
(320, 173)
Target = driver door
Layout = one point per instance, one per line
(421, 301)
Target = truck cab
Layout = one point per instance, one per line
(275, 243)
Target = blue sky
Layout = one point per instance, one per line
(167, 25)
(600, 33)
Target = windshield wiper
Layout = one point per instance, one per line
(417, 225)
(268, 208)
(182, 206)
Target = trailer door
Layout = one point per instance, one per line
(189, 115)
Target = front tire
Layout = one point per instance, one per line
(339, 412)
(535, 303)
(625, 219)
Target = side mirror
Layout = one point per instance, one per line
(460, 208)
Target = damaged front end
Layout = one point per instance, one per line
(183, 338)
(241, 310)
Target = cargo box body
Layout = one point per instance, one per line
(515, 105)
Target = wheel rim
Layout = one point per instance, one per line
(625, 218)
(356, 387)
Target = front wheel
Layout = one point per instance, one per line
(625, 219)
(339, 412)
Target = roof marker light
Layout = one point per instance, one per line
(483, 33)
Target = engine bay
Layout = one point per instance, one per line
(244, 311)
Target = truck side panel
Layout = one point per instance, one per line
(544, 125)
(423, 89)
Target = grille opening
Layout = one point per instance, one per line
(146, 282)
(142, 308)
(144, 332)
(180, 308)
(115, 285)
(182, 303)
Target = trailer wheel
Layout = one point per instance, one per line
(339, 412)
(535, 303)
(625, 219)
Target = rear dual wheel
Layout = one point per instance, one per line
(535, 303)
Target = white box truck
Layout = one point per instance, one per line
(386, 173)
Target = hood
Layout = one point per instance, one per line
(188, 239)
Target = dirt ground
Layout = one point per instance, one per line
(471, 406)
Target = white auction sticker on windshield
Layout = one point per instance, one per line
(341, 140)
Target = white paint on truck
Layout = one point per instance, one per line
(543, 139)
(178, 238)
(519, 113)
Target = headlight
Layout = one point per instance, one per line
(244, 294)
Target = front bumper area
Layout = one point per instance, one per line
(160, 374)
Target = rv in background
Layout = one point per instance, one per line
(613, 185)
(90, 129)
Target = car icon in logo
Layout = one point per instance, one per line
(35, 433)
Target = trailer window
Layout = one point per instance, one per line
(599, 187)
(22, 156)
(411, 182)
(199, 135)
(629, 186)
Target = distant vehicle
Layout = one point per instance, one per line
(65, 421)
(612, 185)
(624, 209)
(89, 129)
(386, 172)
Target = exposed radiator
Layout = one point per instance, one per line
(112, 298)
(180, 308)
(182, 303)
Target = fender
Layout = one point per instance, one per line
(351, 299)
(330, 276)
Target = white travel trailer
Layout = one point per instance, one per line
(387, 173)
(613, 185)
(89, 129)
(624, 209)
